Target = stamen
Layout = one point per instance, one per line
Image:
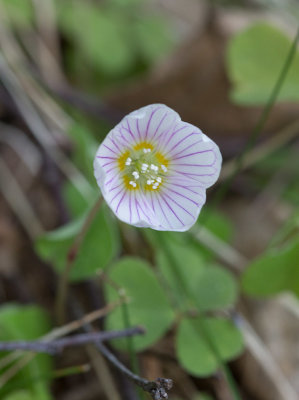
(132, 183)
(144, 167)
(154, 167)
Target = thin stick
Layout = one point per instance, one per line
(26, 150)
(264, 357)
(15, 368)
(47, 40)
(40, 131)
(262, 150)
(56, 346)
(224, 252)
(103, 373)
(71, 257)
(86, 319)
(17, 200)
(157, 389)
(55, 333)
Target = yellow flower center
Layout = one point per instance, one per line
(143, 167)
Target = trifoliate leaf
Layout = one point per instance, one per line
(215, 289)
(148, 305)
(193, 347)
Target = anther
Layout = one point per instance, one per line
(164, 168)
(154, 167)
(135, 174)
(144, 167)
(132, 183)
(159, 179)
(128, 161)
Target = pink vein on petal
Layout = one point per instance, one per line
(182, 195)
(130, 129)
(175, 132)
(115, 187)
(173, 212)
(180, 141)
(158, 127)
(192, 154)
(149, 121)
(115, 144)
(107, 147)
(163, 212)
(137, 127)
(111, 201)
(186, 148)
(109, 158)
(120, 201)
(179, 205)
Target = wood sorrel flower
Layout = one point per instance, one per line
(153, 169)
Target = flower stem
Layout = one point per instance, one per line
(130, 344)
(70, 258)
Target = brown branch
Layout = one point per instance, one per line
(56, 346)
(157, 389)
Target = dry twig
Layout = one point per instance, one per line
(56, 346)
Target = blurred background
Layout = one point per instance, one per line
(69, 71)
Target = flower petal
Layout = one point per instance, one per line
(149, 122)
(193, 155)
(193, 164)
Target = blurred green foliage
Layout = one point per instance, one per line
(20, 12)
(103, 42)
(255, 58)
(99, 247)
(119, 39)
(273, 272)
(21, 395)
(26, 323)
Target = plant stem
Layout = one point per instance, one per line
(130, 343)
(71, 257)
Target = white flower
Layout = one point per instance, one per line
(153, 169)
